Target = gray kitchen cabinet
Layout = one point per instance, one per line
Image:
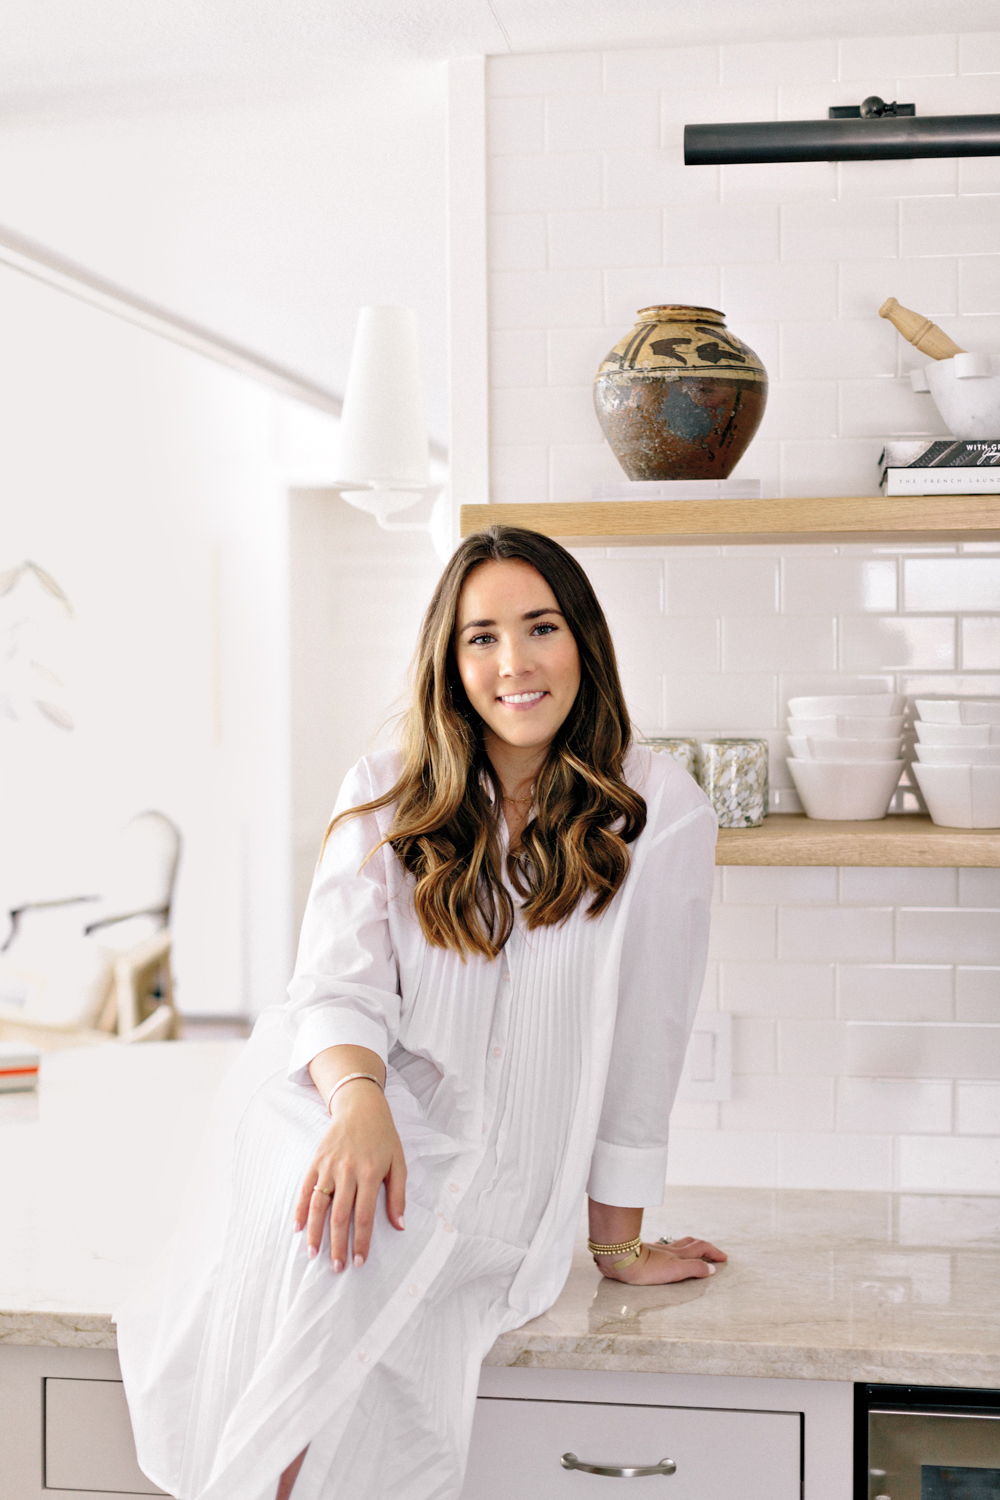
(88, 1439)
(517, 1447)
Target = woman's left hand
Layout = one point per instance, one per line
(681, 1260)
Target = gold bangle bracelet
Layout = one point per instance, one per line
(623, 1247)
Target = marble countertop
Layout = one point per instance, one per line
(819, 1285)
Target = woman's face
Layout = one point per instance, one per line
(516, 657)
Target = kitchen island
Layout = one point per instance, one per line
(824, 1288)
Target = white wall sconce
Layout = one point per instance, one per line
(384, 459)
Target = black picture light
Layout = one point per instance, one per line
(872, 131)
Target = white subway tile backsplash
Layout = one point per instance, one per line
(839, 231)
(730, 585)
(596, 122)
(708, 1158)
(811, 582)
(626, 291)
(862, 885)
(557, 414)
(930, 283)
(743, 932)
(546, 299)
(871, 408)
(979, 283)
(775, 1103)
(872, 643)
(977, 993)
(775, 62)
(949, 226)
(515, 126)
(518, 357)
(921, 1049)
(717, 704)
(542, 184)
(779, 289)
(894, 1106)
(779, 883)
(839, 351)
(652, 179)
(778, 989)
(661, 68)
(694, 1114)
(896, 992)
(859, 1162)
(979, 52)
(518, 242)
(544, 73)
(977, 1108)
(782, 642)
(601, 218)
(981, 643)
(604, 237)
(877, 60)
(754, 1045)
(810, 1048)
(959, 936)
(948, 1164)
(715, 228)
(813, 934)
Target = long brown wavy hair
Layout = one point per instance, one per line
(446, 831)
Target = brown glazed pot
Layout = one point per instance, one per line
(680, 397)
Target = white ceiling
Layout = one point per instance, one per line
(74, 46)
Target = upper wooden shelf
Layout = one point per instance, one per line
(877, 518)
(902, 839)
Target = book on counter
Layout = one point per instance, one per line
(940, 466)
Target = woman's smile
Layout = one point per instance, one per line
(521, 700)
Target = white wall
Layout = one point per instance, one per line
(152, 484)
(866, 1002)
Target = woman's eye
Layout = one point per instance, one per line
(545, 628)
(480, 640)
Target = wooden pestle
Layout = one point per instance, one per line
(921, 332)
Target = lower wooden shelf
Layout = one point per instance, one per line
(903, 839)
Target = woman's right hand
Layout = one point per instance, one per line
(360, 1150)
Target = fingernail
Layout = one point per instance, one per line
(296, 1227)
(338, 1265)
(313, 1252)
(401, 1224)
(359, 1260)
(711, 1268)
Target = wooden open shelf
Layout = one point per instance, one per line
(902, 839)
(875, 518)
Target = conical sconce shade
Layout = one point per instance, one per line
(383, 427)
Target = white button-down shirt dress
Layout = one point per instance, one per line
(515, 1085)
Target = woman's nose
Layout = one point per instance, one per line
(514, 660)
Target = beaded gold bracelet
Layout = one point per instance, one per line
(630, 1250)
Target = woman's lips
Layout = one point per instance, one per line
(521, 701)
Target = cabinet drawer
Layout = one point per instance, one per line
(720, 1454)
(88, 1439)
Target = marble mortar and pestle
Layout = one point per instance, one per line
(965, 387)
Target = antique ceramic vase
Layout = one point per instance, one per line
(680, 397)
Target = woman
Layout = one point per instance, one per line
(499, 964)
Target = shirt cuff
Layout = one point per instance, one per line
(330, 1026)
(628, 1176)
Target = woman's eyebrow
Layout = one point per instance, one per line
(530, 614)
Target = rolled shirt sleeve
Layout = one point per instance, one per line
(346, 984)
(662, 970)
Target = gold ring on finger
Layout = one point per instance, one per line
(327, 1192)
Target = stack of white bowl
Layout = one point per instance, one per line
(846, 753)
(958, 760)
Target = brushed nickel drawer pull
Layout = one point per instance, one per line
(617, 1471)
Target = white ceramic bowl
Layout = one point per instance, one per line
(957, 734)
(858, 790)
(813, 747)
(966, 391)
(959, 710)
(961, 796)
(959, 755)
(865, 705)
(847, 727)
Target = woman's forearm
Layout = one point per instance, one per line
(613, 1226)
(334, 1063)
